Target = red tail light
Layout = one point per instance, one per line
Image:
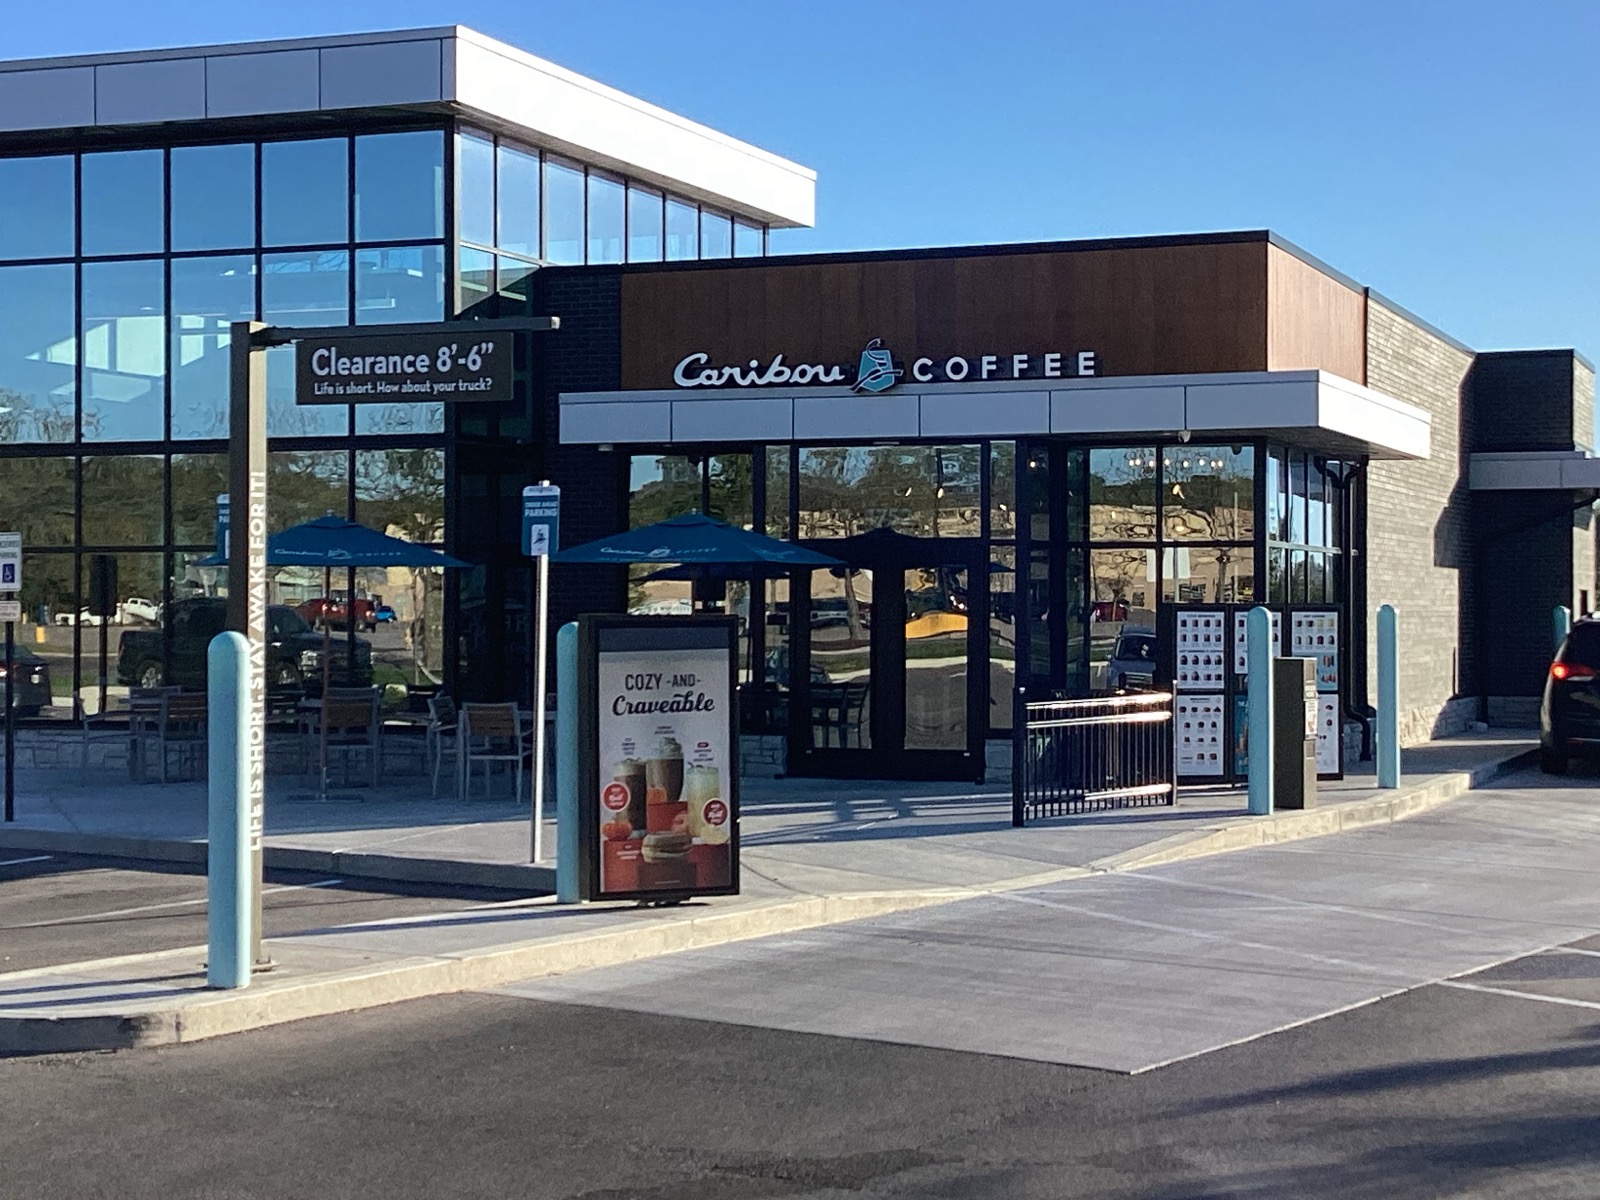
(1572, 672)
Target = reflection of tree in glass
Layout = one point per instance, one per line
(34, 418)
(36, 500)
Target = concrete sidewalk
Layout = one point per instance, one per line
(816, 853)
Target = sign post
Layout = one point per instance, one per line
(658, 747)
(541, 535)
(10, 583)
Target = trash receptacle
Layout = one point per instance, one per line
(1294, 719)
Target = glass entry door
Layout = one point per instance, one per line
(890, 659)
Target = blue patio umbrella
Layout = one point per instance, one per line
(694, 540)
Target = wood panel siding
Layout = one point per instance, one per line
(1155, 310)
(1314, 322)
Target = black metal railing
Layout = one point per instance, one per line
(1075, 756)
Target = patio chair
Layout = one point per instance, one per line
(181, 726)
(443, 737)
(491, 733)
(131, 722)
(354, 728)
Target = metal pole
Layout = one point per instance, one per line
(541, 674)
(567, 848)
(1388, 738)
(11, 727)
(1258, 637)
(1560, 625)
(229, 899)
(247, 570)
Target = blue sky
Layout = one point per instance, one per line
(1444, 154)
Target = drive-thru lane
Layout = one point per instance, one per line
(1129, 971)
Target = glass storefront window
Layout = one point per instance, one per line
(563, 212)
(123, 203)
(124, 350)
(137, 575)
(400, 186)
(305, 192)
(37, 500)
(730, 479)
(1277, 576)
(936, 659)
(48, 588)
(475, 187)
(1208, 493)
(777, 492)
(683, 230)
(1122, 494)
(197, 481)
(661, 486)
(517, 200)
(606, 218)
(208, 294)
(399, 285)
(122, 500)
(213, 197)
(401, 492)
(36, 209)
(1003, 488)
(645, 216)
(1002, 635)
(1298, 484)
(716, 235)
(1297, 577)
(1208, 575)
(1277, 501)
(957, 491)
(303, 485)
(302, 289)
(1122, 592)
(38, 353)
(841, 659)
(747, 240)
(474, 277)
(1316, 504)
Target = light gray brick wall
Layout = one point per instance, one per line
(1418, 527)
(1582, 405)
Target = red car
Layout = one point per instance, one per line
(333, 611)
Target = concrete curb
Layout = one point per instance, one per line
(281, 998)
(1293, 826)
(359, 864)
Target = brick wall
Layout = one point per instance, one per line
(1418, 547)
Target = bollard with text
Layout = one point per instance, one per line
(10, 614)
(1388, 739)
(231, 885)
(1258, 641)
(541, 537)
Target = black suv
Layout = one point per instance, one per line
(294, 651)
(1569, 716)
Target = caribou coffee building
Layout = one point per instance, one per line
(1028, 459)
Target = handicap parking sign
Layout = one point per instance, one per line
(10, 562)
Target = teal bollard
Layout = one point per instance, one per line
(1388, 733)
(1258, 641)
(228, 862)
(567, 848)
(1560, 626)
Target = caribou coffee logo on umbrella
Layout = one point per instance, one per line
(877, 372)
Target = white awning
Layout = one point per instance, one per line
(1307, 408)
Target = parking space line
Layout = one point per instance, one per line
(17, 862)
(1571, 950)
(146, 908)
(1512, 992)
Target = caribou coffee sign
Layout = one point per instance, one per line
(878, 370)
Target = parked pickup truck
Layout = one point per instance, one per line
(294, 651)
(334, 612)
